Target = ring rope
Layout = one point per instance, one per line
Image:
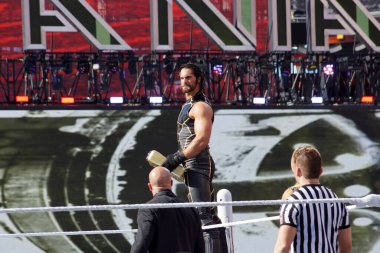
(367, 201)
(121, 231)
(61, 233)
(271, 218)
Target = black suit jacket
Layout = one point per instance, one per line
(168, 230)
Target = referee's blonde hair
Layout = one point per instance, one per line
(309, 160)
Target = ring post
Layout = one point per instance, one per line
(225, 214)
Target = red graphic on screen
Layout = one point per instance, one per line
(130, 19)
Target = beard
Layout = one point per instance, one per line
(188, 88)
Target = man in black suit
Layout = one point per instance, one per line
(167, 230)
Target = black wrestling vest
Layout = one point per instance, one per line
(185, 125)
(203, 162)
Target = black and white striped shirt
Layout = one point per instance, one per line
(317, 224)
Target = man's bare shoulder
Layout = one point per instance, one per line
(201, 109)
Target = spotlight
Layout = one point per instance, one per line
(30, 64)
(67, 63)
(67, 100)
(259, 100)
(116, 100)
(317, 100)
(217, 66)
(57, 81)
(217, 69)
(22, 99)
(241, 67)
(312, 69)
(367, 99)
(112, 64)
(155, 100)
(95, 66)
(132, 62)
(168, 64)
(83, 64)
(328, 69)
(183, 60)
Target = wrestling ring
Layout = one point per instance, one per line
(224, 204)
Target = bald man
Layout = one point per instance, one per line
(167, 230)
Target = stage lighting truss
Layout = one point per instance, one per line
(273, 76)
(355, 64)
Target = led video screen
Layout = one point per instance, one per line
(67, 158)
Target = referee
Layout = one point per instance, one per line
(319, 228)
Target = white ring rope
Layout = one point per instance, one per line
(372, 200)
(234, 223)
(61, 233)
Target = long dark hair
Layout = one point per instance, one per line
(197, 71)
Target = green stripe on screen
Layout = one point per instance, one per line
(362, 21)
(102, 35)
(246, 15)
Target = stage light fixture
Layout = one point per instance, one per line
(30, 64)
(67, 63)
(116, 100)
(217, 69)
(367, 99)
(168, 63)
(83, 64)
(317, 100)
(217, 66)
(22, 99)
(67, 100)
(183, 60)
(95, 66)
(132, 64)
(112, 64)
(328, 69)
(155, 100)
(259, 100)
(57, 80)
